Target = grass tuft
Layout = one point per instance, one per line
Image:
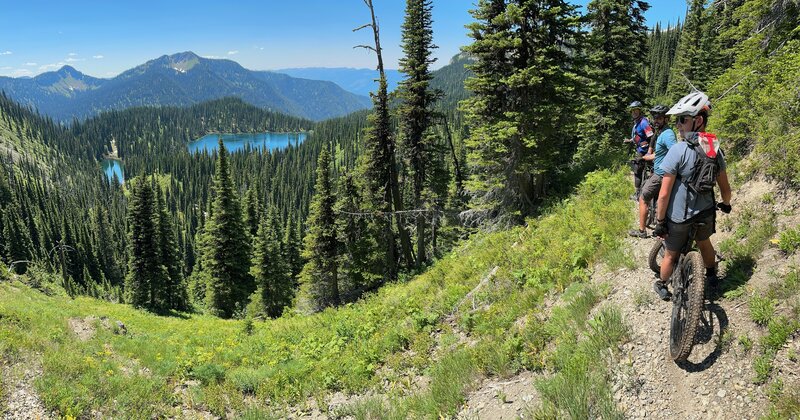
(762, 309)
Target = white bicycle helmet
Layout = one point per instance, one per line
(691, 104)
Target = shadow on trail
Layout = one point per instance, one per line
(708, 330)
(738, 271)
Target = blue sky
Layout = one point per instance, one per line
(104, 38)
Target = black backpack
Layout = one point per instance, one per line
(706, 168)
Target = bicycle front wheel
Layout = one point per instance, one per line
(689, 288)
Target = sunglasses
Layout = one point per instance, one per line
(684, 118)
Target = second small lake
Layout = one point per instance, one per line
(236, 142)
(113, 167)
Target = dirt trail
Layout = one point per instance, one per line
(22, 401)
(717, 379)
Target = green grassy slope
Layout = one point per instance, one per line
(233, 366)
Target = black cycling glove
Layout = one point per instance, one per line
(661, 229)
(725, 208)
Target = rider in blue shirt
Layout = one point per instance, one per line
(641, 135)
(654, 156)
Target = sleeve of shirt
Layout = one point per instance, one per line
(721, 159)
(671, 161)
(670, 139)
(647, 130)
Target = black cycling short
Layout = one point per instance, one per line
(679, 232)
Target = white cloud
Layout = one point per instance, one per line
(6, 68)
(6, 53)
(234, 52)
(51, 66)
(31, 64)
(211, 56)
(97, 56)
(21, 72)
(73, 59)
(72, 54)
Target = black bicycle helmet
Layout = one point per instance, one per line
(635, 105)
(659, 110)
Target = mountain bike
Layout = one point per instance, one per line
(688, 295)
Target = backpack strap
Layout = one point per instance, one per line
(691, 145)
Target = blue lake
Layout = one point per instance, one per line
(236, 142)
(112, 167)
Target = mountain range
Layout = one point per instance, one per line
(180, 79)
(358, 81)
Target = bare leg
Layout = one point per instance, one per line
(668, 264)
(642, 213)
(708, 253)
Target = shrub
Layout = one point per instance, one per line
(789, 241)
(761, 309)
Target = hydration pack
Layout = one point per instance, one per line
(706, 167)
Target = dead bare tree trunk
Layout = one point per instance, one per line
(388, 142)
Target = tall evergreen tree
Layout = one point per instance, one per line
(227, 248)
(616, 68)
(174, 290)
(105, 250)
(271, 272)
(291, 248)
(319, 277)
(145, 272)
(524, 100)
(379, 167)
(416, 110)
(251, 210)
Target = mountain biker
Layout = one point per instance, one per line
(665, 139)
(678, 206)
(641, 134)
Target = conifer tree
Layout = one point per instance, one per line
(416, 110)
(174, 290)
(105, 255)
(319, 277)
(144, 266)
(616, 68)
(523, 105)
(270, 270)
(291, 248)
(251, 211)
(227, 247)
(379, 167)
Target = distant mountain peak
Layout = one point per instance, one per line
(184, 56)
(67, 69)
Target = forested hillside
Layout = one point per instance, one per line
(463, 235)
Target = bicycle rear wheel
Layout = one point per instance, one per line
(656, 255)
(651, 215)
(687, 305)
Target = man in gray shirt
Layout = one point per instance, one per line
(678, 206)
